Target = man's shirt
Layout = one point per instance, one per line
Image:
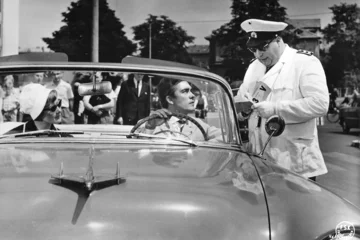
(188, 128)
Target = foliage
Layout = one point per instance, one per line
(168, 40)
(234, 38)
(74, 38)
(344, 35)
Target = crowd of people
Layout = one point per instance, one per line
(74, 108)
(127, 103)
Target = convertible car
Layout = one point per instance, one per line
(111, 181)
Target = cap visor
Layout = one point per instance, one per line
(255, 43)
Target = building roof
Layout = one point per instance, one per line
(305, 34)
(305, 23)
(198, 49)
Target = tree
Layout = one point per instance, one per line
(74, 38)
(344, 35)
(168, 40)
(233, 38)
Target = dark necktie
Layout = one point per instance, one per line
(182, 123)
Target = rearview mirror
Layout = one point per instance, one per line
(274, 126)
(97, 88)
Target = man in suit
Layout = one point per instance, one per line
(133, 102)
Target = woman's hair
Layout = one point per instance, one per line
(50, 100)
(7, 78)
(166, 87)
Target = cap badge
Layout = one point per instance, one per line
(253, 34)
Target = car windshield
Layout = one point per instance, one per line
(117, 104)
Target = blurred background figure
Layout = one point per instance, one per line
(2, 94)
(334, 94)
(115, 78)
(78, 106)
(200, 104)
(133, 102)
(66, 95)
(98, 109)
(39, 77)
(352, 97)
(10, 100)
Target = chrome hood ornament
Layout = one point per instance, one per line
(89, 180)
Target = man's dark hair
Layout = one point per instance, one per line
(166, 87)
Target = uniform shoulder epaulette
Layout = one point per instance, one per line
(302, 51)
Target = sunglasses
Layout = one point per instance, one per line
(261, 48)
(53, 108)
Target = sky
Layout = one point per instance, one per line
(39, 18)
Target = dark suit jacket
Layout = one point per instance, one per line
(131, 107)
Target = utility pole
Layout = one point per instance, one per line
(150, 41)
(150, 77)
(95, 32)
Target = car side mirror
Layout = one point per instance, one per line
(274, 126)
(96, 88)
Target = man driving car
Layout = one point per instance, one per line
(176, 97)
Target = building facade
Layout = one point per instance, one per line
(9, 27)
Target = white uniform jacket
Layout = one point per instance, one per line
(299, 89)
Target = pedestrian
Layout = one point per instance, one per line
(99, 107)
(200, 104)
(133, 101)
(66, 95)
(39, 77)
(10, 100)
(296, 89)
(2, 95)
(333, 96)
(78, 106)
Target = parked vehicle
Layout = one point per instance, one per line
(88, 181)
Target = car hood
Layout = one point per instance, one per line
(168, 193)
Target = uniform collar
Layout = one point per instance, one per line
(287, 54)
(285, 57)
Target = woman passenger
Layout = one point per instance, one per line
(43, 107)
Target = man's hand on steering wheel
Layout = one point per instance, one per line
(159, 117)
(163, 115)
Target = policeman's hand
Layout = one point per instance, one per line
(265, 109)
(120, 121)
(162, 116)
(243, 116)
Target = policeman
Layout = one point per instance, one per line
(296, 89)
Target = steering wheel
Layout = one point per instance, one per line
(178, 115)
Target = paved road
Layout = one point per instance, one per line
(342, 160)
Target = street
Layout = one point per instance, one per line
(342, 161)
